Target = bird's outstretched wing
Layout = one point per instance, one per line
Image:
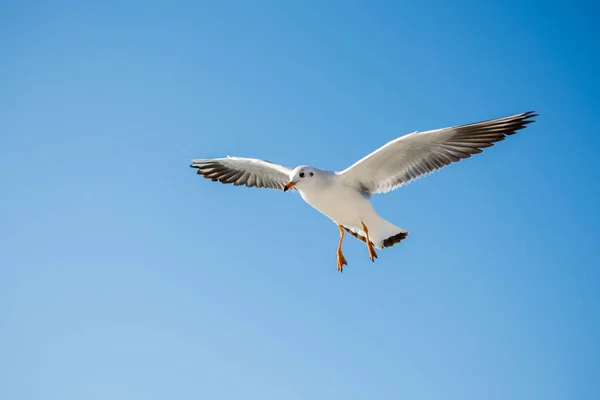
(243, 171)
(411, 156)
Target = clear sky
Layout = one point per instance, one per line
(124, 275)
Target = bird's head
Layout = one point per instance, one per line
(300, 177)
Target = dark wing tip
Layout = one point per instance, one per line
(528, 116)
(198, 166)
(520, 121)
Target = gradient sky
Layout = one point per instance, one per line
(123, 275)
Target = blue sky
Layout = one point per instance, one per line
(123, 275)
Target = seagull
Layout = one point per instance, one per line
(344, 196)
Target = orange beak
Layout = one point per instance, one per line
(288, 186)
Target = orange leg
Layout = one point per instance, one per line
(341, 260)
(372, 253)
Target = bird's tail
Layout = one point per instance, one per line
(381, 233)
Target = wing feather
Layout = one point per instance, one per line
(419, 153)
(251, 172)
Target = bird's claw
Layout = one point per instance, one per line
(372, 254)
(341, 261)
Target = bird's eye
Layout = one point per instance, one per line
(311, 174)
(301, 174)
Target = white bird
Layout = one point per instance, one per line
(344, 196)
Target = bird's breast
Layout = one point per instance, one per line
(341, 204)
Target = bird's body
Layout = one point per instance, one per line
(344, 196)
(324, 195)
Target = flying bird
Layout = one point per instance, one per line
(344, 196)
